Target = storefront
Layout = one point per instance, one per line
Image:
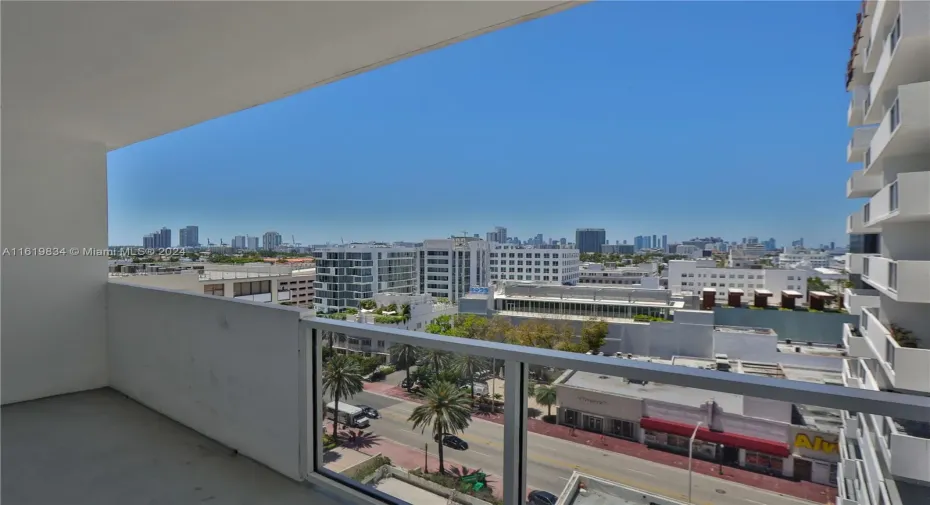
(727, 448)
(816, 455)
(599, 412)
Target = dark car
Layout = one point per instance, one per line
(541, 498)
(369, 412)
(453, 442)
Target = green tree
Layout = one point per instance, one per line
(442, 325)
(468, 366)
(368, 304)
(594, 334)
(817, 284)
(572, 347)
(546, 395)
(446, 409)
(405, 312)
(405, 355)
(435, 359)
(341, 379)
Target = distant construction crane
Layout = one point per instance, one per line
(294, 241)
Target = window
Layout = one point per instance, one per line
(895, 35)
(893, 276)
(251, 288)
(867, 213)
(213, 289)
(790, 277)
(895, 118)
(868, 158)
(893, 196)
(764, 462)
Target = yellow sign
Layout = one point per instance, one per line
(819, 444)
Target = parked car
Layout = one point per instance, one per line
(369, 412)
(541, 498)
(453, 441)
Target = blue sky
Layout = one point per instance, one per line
(699, 118)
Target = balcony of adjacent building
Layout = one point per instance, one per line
(905, 366)
(860, 185)
(849, 471)
(855, 299)
(898, 53)
(904, 128)
(859, 143)
(903, 200)
(906, 447)
(855, 112)
(857, 223)
(900, 280)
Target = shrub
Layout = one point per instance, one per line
(351, 310)
(329, 442)
(389, 319)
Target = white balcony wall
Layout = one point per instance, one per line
(860, 141)
(878, 336)
(856, 346)
(855, 224)
(854, 262)
(911, 202)
(877, 275)
(913, 283)
(855, 299)
(856, 108)
(912, 128)
(860, 185)
(54, 194)
(227, 369)
(905, 61)
(912, 370)
(910, 456)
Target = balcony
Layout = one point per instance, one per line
(224, 400)
(860, 185)
(904, 200)
(904, 38)
(855, 262)
(859, 143)
(903, 280)
(856, 110)
(904, 128)
(907, 368)
(856, 345)
(856, 224)
(855, 299)
(908, 444)
(848, 469)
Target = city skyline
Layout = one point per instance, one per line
(536, 109)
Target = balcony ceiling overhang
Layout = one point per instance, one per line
(122, 72)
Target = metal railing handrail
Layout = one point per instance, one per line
(874, 402)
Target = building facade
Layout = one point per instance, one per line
(499, 235)
(348, 274)
(271, 240)
(516, 263)
(189, 236)
(611, 274)
(887, 460)
(813, 259)
(590, 240)
(448, 268)
(695, 276)
(618, 249)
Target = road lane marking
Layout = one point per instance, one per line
(647, 474)
(753, 501)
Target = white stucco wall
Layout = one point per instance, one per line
(227, 369)
(54, 194)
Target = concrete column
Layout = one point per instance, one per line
(54, 195)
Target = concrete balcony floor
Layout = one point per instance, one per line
(99, 447)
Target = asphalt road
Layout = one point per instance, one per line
(552, 460)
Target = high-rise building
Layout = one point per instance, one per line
(239, 242)
(271, 240)
(665, 243)
(369, 269)
(189, 236)
(252, 243)
(158, 240)
(148, 241)
(888, 77)
(499, 235)
(590, 240)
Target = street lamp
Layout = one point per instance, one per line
(690, 455)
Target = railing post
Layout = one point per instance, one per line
(315, 402)
(516, 380)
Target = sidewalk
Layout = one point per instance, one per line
(804, 490)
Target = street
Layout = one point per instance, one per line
(551, 460)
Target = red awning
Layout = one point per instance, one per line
(729, 439)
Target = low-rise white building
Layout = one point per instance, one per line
(815, 259)
(694, 277)
(518, 263)
(644, 275)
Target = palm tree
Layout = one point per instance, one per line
(545, 395)
(447, 409)
(342, 378)
(468, 366)
(405, 355)
(435, 358)
(405, 311)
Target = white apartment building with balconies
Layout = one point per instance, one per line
(519, 263)
(346, 275)
(450, 267)
(810, 259)
(695, 276)
(886, 460)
